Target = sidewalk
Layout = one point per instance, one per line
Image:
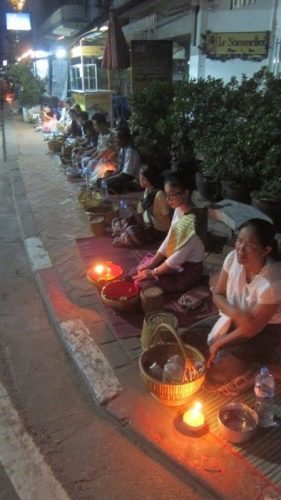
(51, 220)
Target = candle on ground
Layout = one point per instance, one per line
(194, 418)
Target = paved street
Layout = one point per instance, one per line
(75, 387)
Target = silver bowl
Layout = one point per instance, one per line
(237, 422)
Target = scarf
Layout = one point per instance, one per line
(180, 233)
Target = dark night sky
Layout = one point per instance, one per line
(8, 45)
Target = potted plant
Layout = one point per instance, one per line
(268, 197)
(247, 126)
(150, 122)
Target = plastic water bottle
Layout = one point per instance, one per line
(264, 391)
(124, 211)
(173, 370)
(104, 190)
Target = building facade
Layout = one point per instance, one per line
(218, 38)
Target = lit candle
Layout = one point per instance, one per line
(104, 272)
(194, 418)
(99, 269)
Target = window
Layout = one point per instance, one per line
(76, 77)
(90, 77)
(83, 77)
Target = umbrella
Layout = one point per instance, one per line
(116, 53)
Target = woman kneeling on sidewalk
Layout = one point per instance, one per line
(247, 334)
(177, 266)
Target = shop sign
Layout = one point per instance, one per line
(86, 50)
(245, 44)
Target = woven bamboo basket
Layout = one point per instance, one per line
(92, 200)
(121, 295)
(151, 321)
(171, 394)
(83, 195)
(104, 209)
(55, 146)
(97, 226)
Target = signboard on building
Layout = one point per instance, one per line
(151, 60)
(248, 45)
(18, 21)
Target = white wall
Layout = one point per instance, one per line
(255, 18)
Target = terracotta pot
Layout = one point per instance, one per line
(207, 187)
(236, 192)
(270, 208)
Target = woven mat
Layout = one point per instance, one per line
(129, 324)
(264, 450)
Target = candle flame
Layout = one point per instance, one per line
(194, 418)
(99, 269)
(197, 407)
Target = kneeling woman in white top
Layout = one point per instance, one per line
(177, 266)
(248, 295)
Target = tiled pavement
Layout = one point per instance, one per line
(53, 215)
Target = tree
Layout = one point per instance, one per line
(31, 87)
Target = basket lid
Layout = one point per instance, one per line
(152, 291)
(97, 220)
(118, 289)
(155, 318)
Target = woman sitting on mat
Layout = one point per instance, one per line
(177, 266)
(128, 164)
(106, 149)
(248, 294)
(48, 119)
(153, 218)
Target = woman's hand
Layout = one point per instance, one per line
(213, 353)
(143, 275)
(142, 267)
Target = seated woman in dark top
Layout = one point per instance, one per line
(128, 164)
(153, 218)
(74, 129)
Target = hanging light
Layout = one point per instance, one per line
(17, 4)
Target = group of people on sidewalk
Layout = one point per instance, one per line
(91, 148)
(247, 292)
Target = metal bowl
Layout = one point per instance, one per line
(237, 422)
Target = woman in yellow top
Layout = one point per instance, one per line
(153, 218)
(177, 266)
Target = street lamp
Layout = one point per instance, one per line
(60, 53)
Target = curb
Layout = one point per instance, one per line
(74, 335)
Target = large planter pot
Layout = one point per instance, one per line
(207, 187)
(235, 192)
(270, 208)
